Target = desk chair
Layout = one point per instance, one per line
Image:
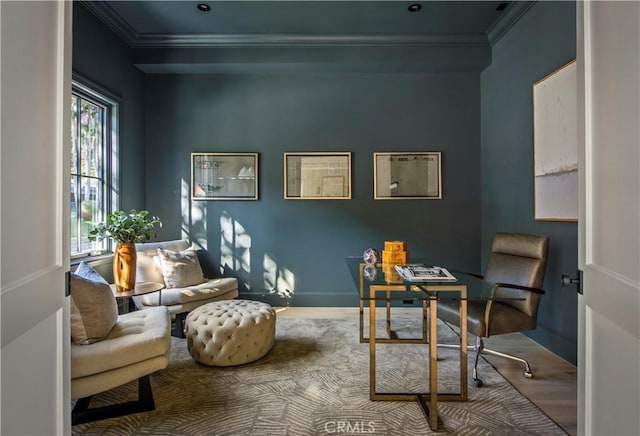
(516, 267)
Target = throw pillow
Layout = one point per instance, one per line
(180, 268)
(94, 310)
(85, 270)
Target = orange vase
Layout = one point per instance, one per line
(124, 266)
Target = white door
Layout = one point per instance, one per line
(34, 200)
(609, 227)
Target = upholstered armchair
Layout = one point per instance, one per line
(516, 267)
(109, 350)
(176, 264)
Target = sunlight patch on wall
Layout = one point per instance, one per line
(235, 248)
(278, 280)
(194, 218)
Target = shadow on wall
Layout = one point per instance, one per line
(278, 279)
(235, 249)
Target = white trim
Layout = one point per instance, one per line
(87, 88)
(320, 40)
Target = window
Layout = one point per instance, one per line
(93, 169)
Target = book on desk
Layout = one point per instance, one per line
(424, 273)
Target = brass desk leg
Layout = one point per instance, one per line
(433, 363)
(463, 346)
(361, 289)
(372, 346)
(424, 322)
(390, 334)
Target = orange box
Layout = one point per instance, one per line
(388, 267)
(395, 256)
(392, 276)
(395, 246)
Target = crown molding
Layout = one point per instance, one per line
(135, 40)
(112, 20)
(508, 19)
(294, 40)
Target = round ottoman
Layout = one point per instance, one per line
(230, 332)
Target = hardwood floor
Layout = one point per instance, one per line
(553, 387)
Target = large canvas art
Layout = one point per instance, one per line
(556, 145)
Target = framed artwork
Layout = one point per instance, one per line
(317, 176)
(224, 176)
(555, 142)
(411, 175)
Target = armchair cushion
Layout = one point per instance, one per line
(211, 288)
(94, 310)
(180, 268)
(138, 344)
(137, 336)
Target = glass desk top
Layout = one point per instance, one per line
(383, 277)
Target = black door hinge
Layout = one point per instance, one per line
(67, 283)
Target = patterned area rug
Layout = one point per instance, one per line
(315, 381)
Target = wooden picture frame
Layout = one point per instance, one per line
(224, 176)
(317, 176)
(407, 175)
(555, 139)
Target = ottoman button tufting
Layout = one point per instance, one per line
(249, 337)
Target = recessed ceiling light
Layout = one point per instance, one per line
(204, 7)
(415, 7)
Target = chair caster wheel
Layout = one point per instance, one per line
(477, 382)
(528, 374)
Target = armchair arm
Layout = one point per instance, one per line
(496, 286)
(523, 288)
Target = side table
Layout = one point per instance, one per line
(140, 288)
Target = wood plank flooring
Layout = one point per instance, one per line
(553, 387)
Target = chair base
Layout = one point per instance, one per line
(177, 329)
(480, 349)
(527, 368)
(81, 412)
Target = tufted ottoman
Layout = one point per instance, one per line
(230, 332)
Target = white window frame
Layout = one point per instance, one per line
(87, 89)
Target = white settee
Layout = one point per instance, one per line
(179, 300)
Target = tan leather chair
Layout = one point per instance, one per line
(516, 267)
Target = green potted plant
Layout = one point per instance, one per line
(125, 229)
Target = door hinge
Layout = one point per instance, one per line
(568, 281)
(67, 283)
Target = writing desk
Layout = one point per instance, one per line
(380, 283)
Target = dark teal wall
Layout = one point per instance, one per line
(487, 177)
(276, 113)
(103, 58)
(543, 40)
